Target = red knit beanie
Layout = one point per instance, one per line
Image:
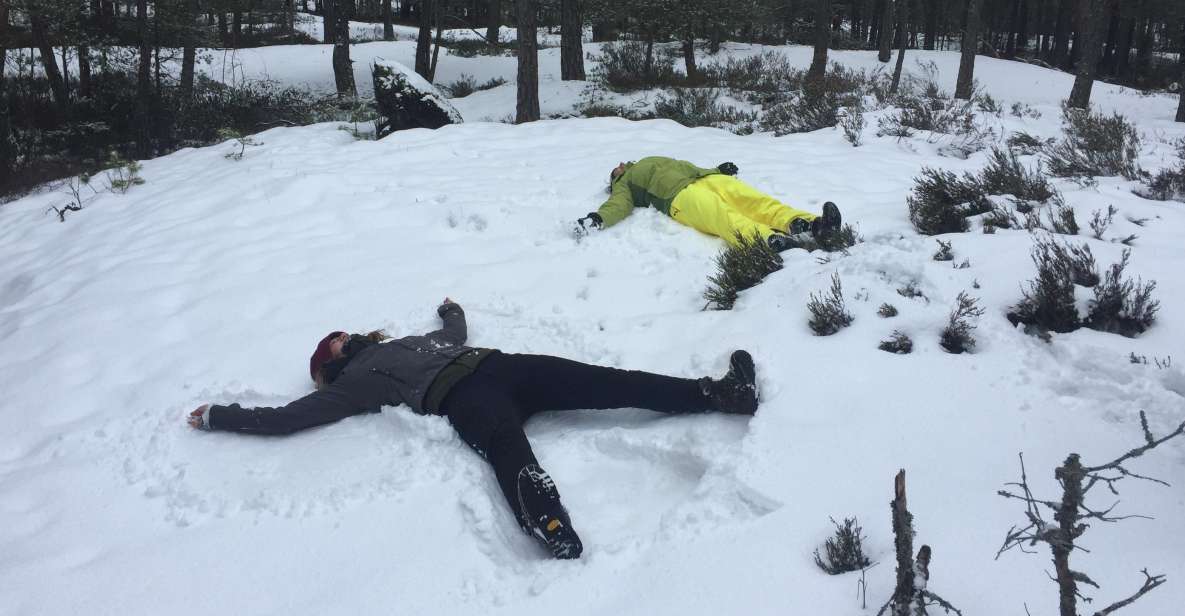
(322, 354)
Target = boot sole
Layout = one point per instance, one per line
(564, 543)
(742, 364)
(832, 219)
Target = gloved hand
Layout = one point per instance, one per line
(587, 224)
(728, 168)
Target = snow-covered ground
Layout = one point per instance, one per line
(213, 280)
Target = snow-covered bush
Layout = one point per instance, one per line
(1095, 144)
(898, 342)
(887, 310)
(844, 551)
(405, 100)
(1023, 143)
(956, 337)
(803, 114)
(1061, 217)
(944, 251)
(739, 268)
(466, 85)
(852, 122)
(769, 72)
(942, 201)
(1006, 175)
(1168, 184)
(828, 312)
(1122, 306)
(693, 107)
(625, 67)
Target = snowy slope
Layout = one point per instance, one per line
(213, 280)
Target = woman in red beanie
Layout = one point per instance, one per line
(486, 395)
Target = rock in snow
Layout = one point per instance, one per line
(406, 100)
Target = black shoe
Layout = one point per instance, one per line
(736, 393)
(829, 222)
(780, 242)
(543, 515)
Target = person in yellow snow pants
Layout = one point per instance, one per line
(713, 201)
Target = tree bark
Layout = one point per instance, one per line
(343, 68)
(388, 21)
(84, 70)
(236, 29)
(3, 47)
(931, 24)
(424, 39)
(328, 22)
(1181, 105)
(41, 41)
(1123, 51)
(143, 85)
(572, 42)
(886, 32)
(189, 49)
(902, 20)
(527, 109)
(1094, 20)
(437, 7)
(965, 86)
(822, 18)
(903, 593)
(689, 59)
(495, 21)
(1061, 33)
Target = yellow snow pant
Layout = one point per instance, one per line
(724, 206)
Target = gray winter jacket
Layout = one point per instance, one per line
(395, 372)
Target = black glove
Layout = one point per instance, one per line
(588, 223)
(727, 168)
(444, 308)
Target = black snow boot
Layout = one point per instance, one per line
(543, 515)
(829, 222)
(780, 242)
(736, 393)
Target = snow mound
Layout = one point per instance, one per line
(406, 100)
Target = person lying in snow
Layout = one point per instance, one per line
(711, 200)
(486, 395)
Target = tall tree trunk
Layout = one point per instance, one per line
(424, 38)
(902, 20)
(3, 49)
(874, 24)
(223, 30)
(527, 109)
(931, 24)
(189, 37)
(857, 19)
(143, 85)
(1094, 21)
(343, 68)
(439, 6)
(328, 22)
(689, 58)
(84, 70)
(818, 70)
(1013, 27)
(1123, 51)
(572, 42)
(236, 29)
(1022, 33)
(388, 21)
(1144, 43)
(886, 32)
(1181, 105)
(1107, 63)
(1061, 33)
(41, 41)
(495, 21)
(965, 86)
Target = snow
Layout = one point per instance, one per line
(213, 280)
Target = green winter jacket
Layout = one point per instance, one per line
(653, 181)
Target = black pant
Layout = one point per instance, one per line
(489, 407)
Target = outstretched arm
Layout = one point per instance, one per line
(454, 331)
(318, 408)
(619, 205)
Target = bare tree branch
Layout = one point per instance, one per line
(1150, 582)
